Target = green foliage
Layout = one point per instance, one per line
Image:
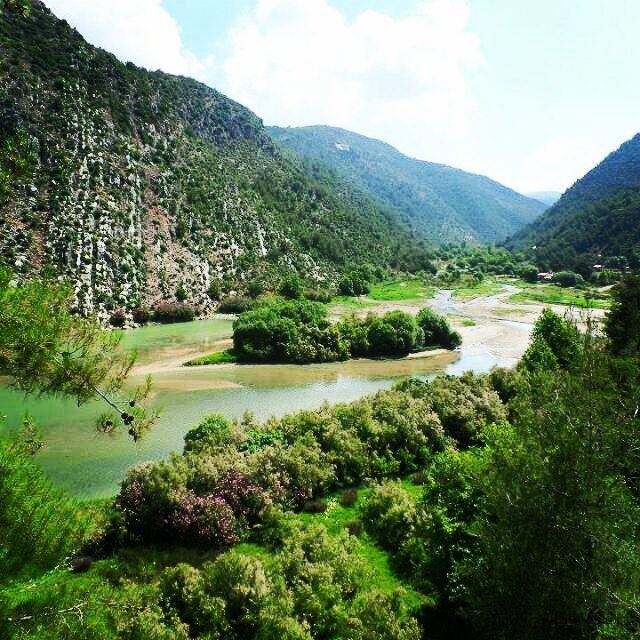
(45, 349)
(560, 556)
(437, 330)
(287, 331)
(291, 287)
(213, 432)
(568, 279)
(167, 313)
(40, 525)
(597, 219)
(560, 336)
(390, 514)
(394, 334)
(528, 272)
(622, 324)
(441, 204)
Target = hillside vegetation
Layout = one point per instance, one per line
(440, 202)
(144, 187)
(595, 221)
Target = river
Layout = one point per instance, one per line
(89, 464)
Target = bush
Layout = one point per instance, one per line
(315, 506)
(213, 432)
(319, 295)
(349, 497)
(118, 318)
(141, 315)
(394, 334)
(560, 335)
(215, 290)
(287, 331)
(568, 279)
(291, 287)
(181, 293)
(389, 514)
(437, 330)
(166, 313)
(235, 304)
(528, 272)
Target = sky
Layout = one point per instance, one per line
(532, 93)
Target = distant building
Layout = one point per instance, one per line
(545, 275)
(597, 267)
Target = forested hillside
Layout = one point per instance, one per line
(597, 219)
(443, 203)
(145, 187)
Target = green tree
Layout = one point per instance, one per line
(45, 349)
(560, 334)
(557, 552)
(622, 324)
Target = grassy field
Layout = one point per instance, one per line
(488, 287)
(219, 357)
(553, 294)
(399, 290)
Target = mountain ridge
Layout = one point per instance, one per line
(597, 217)
(444, 203)
(141, 187)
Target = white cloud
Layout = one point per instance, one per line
(299, 62)
(557, 164)
(140, 31)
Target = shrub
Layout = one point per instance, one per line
(203, 520)
(393, 334)
(287, 331)
(437, 330)
(255, 288)
(215, 290)
(212, 433)
(464, 404)
(319, 295)
(354, 527)
(389, 514)
(181, 293)
(561, 336)
(349, 497)
(118, 318)
(291, 287)
(315, 506)
(235, 304)
(568, 279)
(141, 315)
(173, 312)
(528, 272)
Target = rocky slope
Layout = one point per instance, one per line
(442, 203)
(143, 187)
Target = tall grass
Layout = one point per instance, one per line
(39, 525)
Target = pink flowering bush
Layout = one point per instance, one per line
(204, 520)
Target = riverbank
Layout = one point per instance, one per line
(88, 464)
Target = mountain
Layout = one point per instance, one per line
(141, 187)
(598, 217)
(547, 198)
(440, 202)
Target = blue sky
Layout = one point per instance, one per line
(530, 92)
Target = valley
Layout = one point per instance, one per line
(495, 333)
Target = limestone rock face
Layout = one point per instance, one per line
(141, 187)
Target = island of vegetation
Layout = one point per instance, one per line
(300, 332)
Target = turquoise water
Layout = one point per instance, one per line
(90, 464)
